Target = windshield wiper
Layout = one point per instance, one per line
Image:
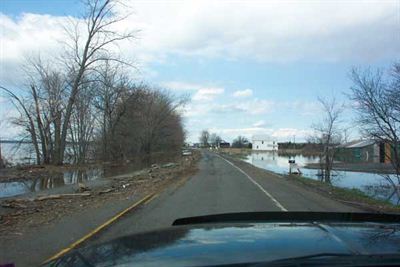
(292, 216)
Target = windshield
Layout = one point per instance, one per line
(119, 117)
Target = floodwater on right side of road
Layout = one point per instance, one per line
(372, 184)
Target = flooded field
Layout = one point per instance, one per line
(370, 183)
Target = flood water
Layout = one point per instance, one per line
(372, 184)
(14, 188)
(18, 153)
(23, 154)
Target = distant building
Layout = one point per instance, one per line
(196, 145)
(365, 151)
(358, 151)
(224, 144)
(264, 142)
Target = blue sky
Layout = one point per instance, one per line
(254, 67)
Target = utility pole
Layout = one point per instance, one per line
(294, 141)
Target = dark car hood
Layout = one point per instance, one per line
(205, 244)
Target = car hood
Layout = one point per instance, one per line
(205, 244)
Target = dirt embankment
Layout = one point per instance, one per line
(19, 214)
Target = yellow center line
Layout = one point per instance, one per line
(150, 199)
(145, 200)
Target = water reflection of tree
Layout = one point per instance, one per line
(394, 182)
(383, 190)
(43, 182)
(337, 177)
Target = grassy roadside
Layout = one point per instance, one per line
(352, 197)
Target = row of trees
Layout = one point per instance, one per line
(241, 142)
(84, 103)
(206, 140)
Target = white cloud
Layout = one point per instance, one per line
(288, 133)
(243, 93)
(260, 123)
(256, 106)
(281, 134)
(208, 94)
(285, 31)
(181, 86)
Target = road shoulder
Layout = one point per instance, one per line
(293, 195)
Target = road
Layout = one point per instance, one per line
(220, 187)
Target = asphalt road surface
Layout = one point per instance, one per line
(220, 187)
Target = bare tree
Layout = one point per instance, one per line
(150, 122)
(377, 99)
(112, 85)
(82, 124)
(328, 134)
(240, 142)
(215, 139)
(25, 120)
(204, 138)
(86, 50)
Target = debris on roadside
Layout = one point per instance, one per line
(106, 191)
(155, 166)
(126, 185)
(20, 214)
(58, 196)
(82, 187)
(169, 165)
(14, 205)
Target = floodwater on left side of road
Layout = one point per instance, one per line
(56, 179)
(24, 182)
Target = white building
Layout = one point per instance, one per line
(264, 142)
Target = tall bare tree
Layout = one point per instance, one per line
(112, 86)
(86, 50)
(328, 134)
(82, 124)
(377, 98)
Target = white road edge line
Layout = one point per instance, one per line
(276, 202)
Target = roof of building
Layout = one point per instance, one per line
(359, 143)
(262, 137)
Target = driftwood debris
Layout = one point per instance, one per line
(58, 196)
(107, 191)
